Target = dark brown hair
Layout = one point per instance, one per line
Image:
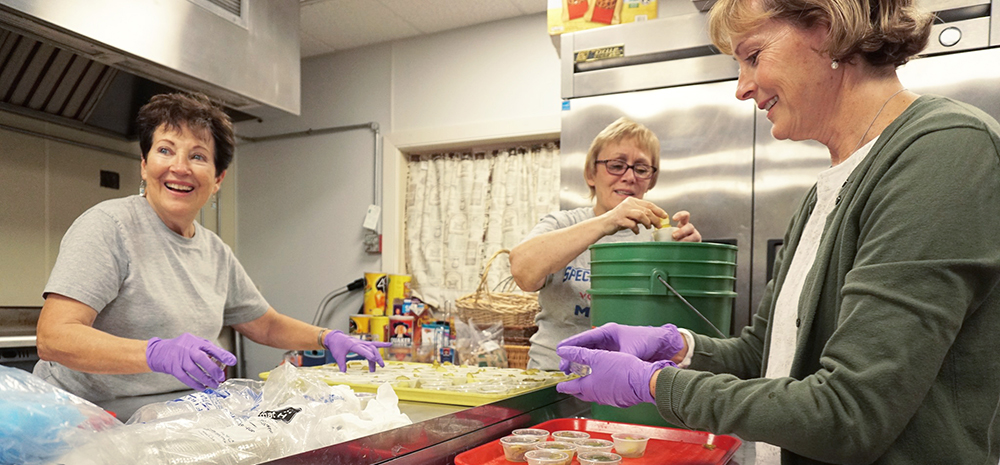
(196, 111)
(882, 32)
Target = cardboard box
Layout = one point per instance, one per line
(579, 15)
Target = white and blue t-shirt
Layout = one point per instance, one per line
(563, 298)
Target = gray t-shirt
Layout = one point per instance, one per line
(145, 280)
(564, 299)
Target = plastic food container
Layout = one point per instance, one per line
(514, 447)
(541, 434)
(599, 458)
(630, 445)
(570, 436)
(548, 457)
(594, 445)
(567, 447)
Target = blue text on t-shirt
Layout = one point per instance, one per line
(576, 274)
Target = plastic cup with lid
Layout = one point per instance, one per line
(594, 445)
(537, 432)
(567, 447)
(570, 436)
(629, 444)
(514, 447)
(548, 457)
(599, 458)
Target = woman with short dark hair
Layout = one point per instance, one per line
(140, 291)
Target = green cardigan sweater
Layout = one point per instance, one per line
(897, 358)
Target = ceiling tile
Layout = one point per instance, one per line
(434, 15)
(530, 7)
(310, 46)
(333, 25)
(343, 24)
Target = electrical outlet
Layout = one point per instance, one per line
(373, 242)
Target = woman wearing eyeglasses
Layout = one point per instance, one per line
(621, 166)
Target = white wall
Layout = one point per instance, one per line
(46, 185)
(300, 202)
(493, 81)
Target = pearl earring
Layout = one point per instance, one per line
(835, 64)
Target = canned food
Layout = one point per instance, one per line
(376, 286)
(379, 328)
(360, 324)
(399, 290)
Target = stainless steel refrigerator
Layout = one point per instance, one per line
(718, 159)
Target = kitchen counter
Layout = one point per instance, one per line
(440, 432)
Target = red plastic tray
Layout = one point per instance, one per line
(666, 445)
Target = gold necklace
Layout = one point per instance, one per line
(875, 118)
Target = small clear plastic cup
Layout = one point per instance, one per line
(599, 458)
(630, 445)
(514, 447)
(570, 436)
(493, 390)
(542, 434)
(594, 445)
(579, 369)
(567, 447)
(433, 384)
(548, 457)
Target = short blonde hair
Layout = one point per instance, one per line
(881, 32)
(623, 129)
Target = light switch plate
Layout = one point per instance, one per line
(371, 218)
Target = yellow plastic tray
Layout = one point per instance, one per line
(470, 399)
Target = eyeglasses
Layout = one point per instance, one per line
(618, 168)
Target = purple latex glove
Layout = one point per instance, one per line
(615, 378)
(190, 359)
(649, 343)
(339, 344)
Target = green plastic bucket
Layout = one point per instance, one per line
(680, 283)
(679, 267)
(637, 308)
(631, 308)
(625, 288)
(701, 251)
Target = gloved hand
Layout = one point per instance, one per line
(187, 358)
(649, 343)
(339, 344)
(615, 378)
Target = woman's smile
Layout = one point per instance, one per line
(180, 176)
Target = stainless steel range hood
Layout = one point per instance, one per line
(91, 64)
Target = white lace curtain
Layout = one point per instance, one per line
(461, 208)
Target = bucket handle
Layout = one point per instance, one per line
(660, 275)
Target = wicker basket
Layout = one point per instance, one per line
(512, 308)
(517, 356)
(518, 335)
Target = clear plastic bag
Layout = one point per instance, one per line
(480, 344)
(234, 395)
(245, 422)
(39, 421)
